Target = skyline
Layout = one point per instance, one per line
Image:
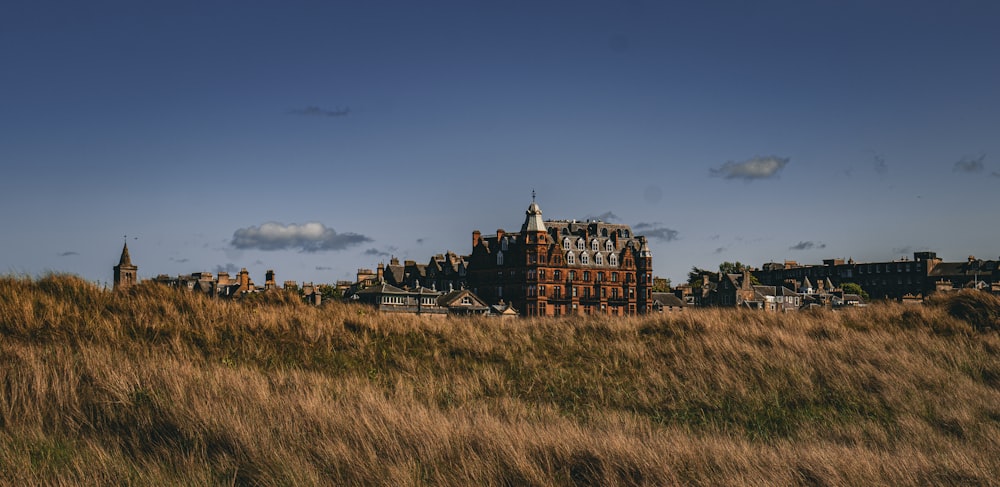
(317, 138)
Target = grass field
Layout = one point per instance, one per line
(163, 387)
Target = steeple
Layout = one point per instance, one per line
(125, 260)
(533, 218)
(126, 274)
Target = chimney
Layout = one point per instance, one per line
(380, 271)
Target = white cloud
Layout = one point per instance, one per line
(749, 170)
(308, 237)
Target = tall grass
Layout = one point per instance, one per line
(160, 386)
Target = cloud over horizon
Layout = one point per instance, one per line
(807, 244)
(971, 165)
(315, 111)
(751, 169)
(656, 231)
(308, 237)
(881, 167)
(376, 252)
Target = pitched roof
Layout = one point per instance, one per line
(382, 288)
(125, 260)
(668, 299)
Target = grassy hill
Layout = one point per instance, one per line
(158, 386)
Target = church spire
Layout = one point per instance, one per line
(126, 260)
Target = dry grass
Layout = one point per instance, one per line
(159, 386)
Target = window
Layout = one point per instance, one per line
(566, 243)
(614, 277)
(574, 291)
(466, 301)
(503, 244)
(580, 244)
(557, 292)
(600, 276)
(500, 257)
(586, 275)
(594, 245)
(613, 259)
(541, 290)
(557, 274)
(570, 258)
(599, 259)
(572, 275)
(609, 245)
(584, 258)
(500, 291)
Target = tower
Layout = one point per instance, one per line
(125, 272)
(536, 244)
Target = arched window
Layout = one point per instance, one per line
(503, 244)
(565, 231)
(584, 258)
(594, 245)
(570, 258)
(580, 244)
(613, 259)
(609, 245)
(598, 259)
(499, 258)
(566, 243)
(604, 232)
(626, 233)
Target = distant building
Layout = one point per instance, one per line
(560, 267)
(925, 274)
(126, 274)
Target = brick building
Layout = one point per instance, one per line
(559, 267)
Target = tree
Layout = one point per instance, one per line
(854, 288)
(738, 268)
(661, 285)
(733, 267)
(695, 276)
(329, 291)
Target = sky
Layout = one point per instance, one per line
(314, 138)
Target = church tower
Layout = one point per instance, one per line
(125, 272)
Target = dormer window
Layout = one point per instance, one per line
(598, 259)
(594, 245)
(609, 246)
(566, 243)
(580, 244)
(584, 258)
(570, 258)
(613, 259)
(503, 244)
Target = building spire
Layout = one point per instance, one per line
(126, 259)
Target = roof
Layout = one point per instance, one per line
(125, 260)
(382, 288)
(668, 299)
(533, 219)
(452, 299)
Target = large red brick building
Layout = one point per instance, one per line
(561, 267)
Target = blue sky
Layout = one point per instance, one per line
(314, 138)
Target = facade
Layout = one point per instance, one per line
(561, 267)
(921, 276)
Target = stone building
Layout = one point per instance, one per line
(126, 274)
(560, 267)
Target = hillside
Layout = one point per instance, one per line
(164, 387)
